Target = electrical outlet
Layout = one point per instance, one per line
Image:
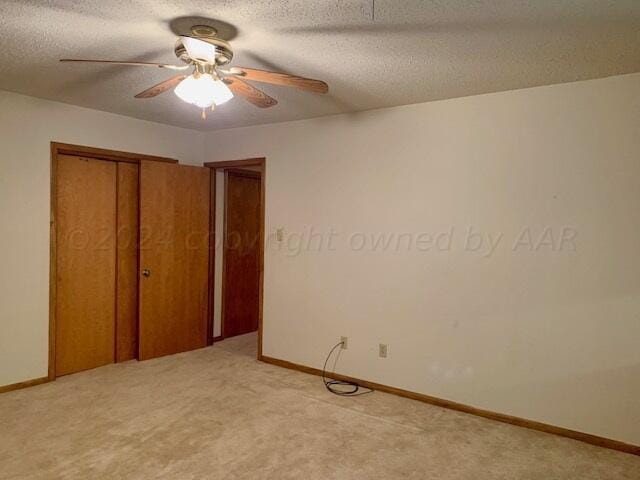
(344, 341)
(382, 350)
(280, 234)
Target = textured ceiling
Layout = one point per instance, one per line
(404, 51)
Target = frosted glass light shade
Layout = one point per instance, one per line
(203, 91)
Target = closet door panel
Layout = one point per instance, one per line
(174, 258)
(85, 263)
(127, 264)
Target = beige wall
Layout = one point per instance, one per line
(27, 126)
(548, 332)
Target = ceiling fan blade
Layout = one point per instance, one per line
(250, 93)
(132, 64)
(284, 79)
(161, 87)
(199, 49)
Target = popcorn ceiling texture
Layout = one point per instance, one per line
(413, 51)
(217, 413)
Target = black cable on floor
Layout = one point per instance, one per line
(354, 388)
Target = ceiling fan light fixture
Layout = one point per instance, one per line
(203, 91)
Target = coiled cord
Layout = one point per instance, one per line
(354, 389)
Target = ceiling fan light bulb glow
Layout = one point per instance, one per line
(203, 91)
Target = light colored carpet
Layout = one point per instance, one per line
(217, 413)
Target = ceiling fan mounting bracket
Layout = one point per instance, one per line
(202, 31)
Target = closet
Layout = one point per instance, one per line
(129, 257)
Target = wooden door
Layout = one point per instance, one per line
(127, 263)
(86, 263)
(174, 253)
(241, 264)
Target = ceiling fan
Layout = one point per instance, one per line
(210, 82)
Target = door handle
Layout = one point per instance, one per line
(146, 272)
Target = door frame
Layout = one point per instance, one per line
(58, 148)
(222, 166)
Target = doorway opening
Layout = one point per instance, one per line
(236, 266)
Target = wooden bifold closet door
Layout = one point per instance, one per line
(96, 263)
(86, 263)
(174, 258)
(127, 263)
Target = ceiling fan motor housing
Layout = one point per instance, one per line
(224, 53)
